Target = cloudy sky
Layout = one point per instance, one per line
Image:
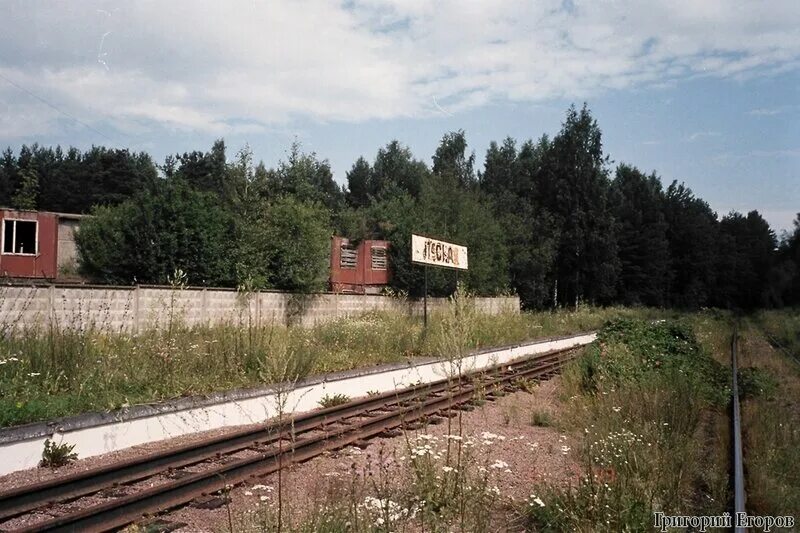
(706, 92)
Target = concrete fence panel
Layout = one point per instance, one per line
(135, 309)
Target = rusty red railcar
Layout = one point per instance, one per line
(359, 268)
(37, 244)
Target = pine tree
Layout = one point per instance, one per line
(573, 186)
(27, 194)
(638, 205)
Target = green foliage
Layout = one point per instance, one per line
(306, 178)
(541, 419)
(542, 219)
(147, 238)
(693, 235)
(638, 205)
(332, 400)
(289, 242)
(754, 381)
(573, 186)
(652, 389)
(56, 455)
(747, 245)
(529, 230)
(72, 181)
(636, 350)
(27, 194)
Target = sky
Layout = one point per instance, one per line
(703, 92)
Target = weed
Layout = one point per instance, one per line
(755, 381)
(525, 384)
(372, 393)
(771, 415)
(541, 419)
(56, 455)
(510, 413)
(332, 400)
(638, 397)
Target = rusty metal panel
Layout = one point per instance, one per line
(16, 261)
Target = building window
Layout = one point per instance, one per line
(348, 257)
(20, 237)
(378, 258)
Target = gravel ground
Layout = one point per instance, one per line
(532, 453)
(33, 475)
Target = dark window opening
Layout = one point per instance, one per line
(348, 257)
(19, 237)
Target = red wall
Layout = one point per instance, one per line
(356, 279)
(41, 265)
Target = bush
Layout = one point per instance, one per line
(149, 237)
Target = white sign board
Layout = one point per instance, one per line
(438, 253)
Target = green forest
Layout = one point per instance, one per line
(552, 220)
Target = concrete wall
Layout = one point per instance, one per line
(67, 248)
(139, 308)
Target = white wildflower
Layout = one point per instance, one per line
(498, 464)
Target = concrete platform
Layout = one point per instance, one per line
(103, 432)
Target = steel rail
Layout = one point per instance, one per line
(738, 463)
(30, 497)
(128, 509)
(27, 498)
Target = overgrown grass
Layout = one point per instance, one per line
(49, 372)
(782, 328)
(434, 483)
(642, 398)
(770, 417)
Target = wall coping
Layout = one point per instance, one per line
(36, 284)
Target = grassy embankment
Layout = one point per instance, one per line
(46, 373)
(770, 383)
(650, 401)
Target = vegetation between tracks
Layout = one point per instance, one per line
(771, 413)
(46, 373)
(649, 400)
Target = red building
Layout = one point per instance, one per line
(361, 268)
(37, 244)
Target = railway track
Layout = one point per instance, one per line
(736, 427)
(266, 449)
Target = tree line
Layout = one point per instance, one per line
(549, 219)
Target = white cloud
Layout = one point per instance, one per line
(219, 67)
(729, 157)
(701, 135)
(772, 111)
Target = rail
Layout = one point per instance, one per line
(310, 434)
(738, 463)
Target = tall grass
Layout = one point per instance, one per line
(646, 399)
(78, 366)
(771, 416)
